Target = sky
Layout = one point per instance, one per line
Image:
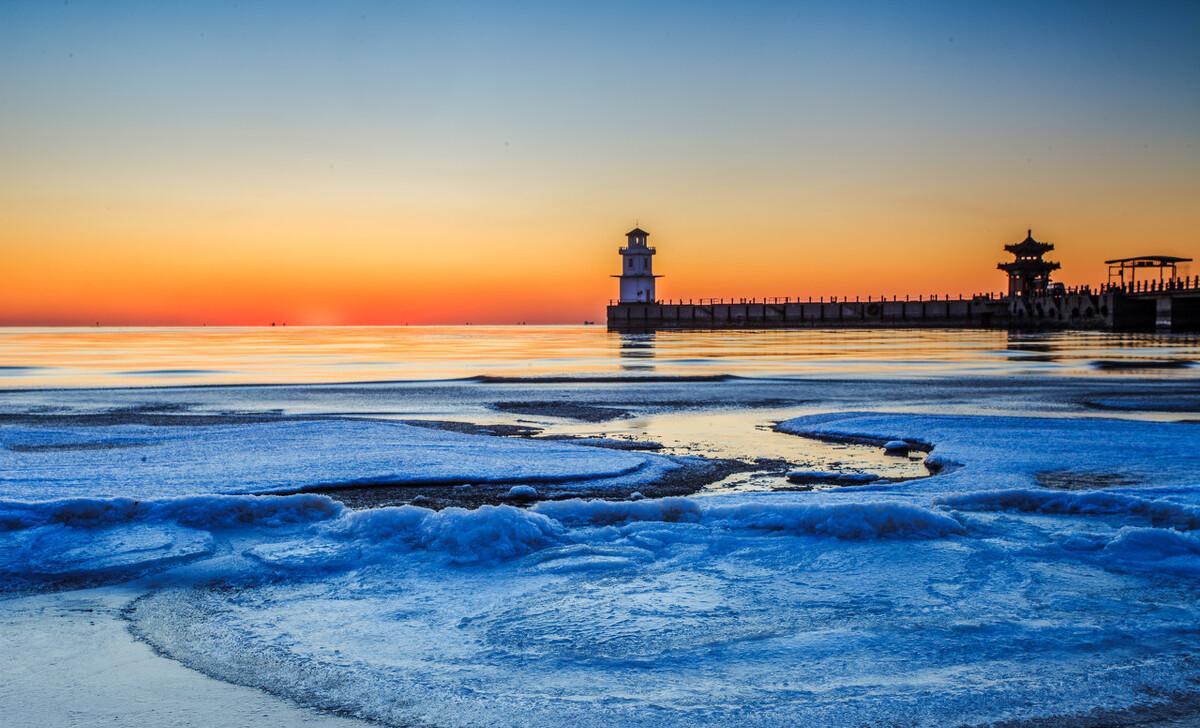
(389, 163)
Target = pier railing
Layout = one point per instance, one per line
(784, 300)
(1164, 285)
(1181, 284)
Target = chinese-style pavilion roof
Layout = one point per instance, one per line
(1029, 246)
(637, 231)
(1029, 266)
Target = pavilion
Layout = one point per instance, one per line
(1029, 274)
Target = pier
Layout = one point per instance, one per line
(1032, 301)
(981, 311)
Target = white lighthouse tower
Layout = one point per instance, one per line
(637, 274)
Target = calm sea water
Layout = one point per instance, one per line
(126, 357)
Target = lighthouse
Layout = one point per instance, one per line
(637, 273)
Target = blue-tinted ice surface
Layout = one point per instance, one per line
(147, 462)
(1013, 451)
(971, 597)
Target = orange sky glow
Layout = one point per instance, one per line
(449, 169)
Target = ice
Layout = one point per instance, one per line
(840, 520)
(975, 596)
(151, 462)
(485, 534)
(1164, 551)
(729, 614)
(867, 520)
(522, 492)
(63, 551)
(96, 535)
(205, 512)
(83, 537)
(999, 452)
(1160, 512)
(488, 533)
(602, 513)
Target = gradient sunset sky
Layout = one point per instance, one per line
(363, 162)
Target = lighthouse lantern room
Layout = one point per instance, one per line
(637, 274)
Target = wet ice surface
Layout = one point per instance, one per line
(974, 596)
(44, 463)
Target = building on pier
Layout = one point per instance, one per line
(637, 268)
(1029, 274)
(1123, 271)
(1032, 301)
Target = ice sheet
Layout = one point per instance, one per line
(973, 596)
(150, 462)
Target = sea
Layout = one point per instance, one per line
(50, 358)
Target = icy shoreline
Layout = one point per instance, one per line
(974, 596)
(71, 660)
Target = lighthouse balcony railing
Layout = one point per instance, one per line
(637, 248)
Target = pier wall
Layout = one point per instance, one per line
(1173, 305)
(1078, 308)
(817, 314)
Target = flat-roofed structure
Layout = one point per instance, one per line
(1119, 267)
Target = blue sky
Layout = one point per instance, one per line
(481, 125)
